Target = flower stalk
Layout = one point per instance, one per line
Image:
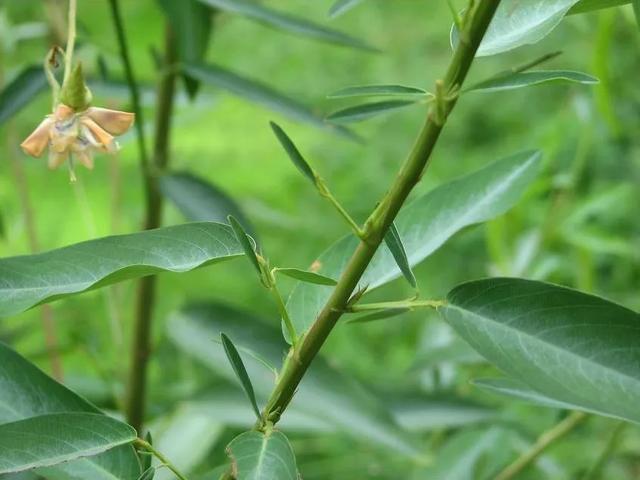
(474, 25)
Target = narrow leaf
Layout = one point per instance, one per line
(26, 392)
(394, 244)
(29, 280)
(240, 371)
(571, 347)
(515, 389)
(245, 242)
(378, 91)
(342, 6)
(293, 152)
(145, 461)
(260, 456)
(307, 276)
(584, 6)
(260, 93)
(21, 91)
(288, 23)
(424, 225)
(365, 111)
(48, 440)
(201, 201)
(512, 81)
(521, 22)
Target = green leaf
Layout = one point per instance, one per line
(584, 6)
(342, 6)
(522, 22)
(48, 440)
(395, 246)
(569, 346)
(200, 200)
(378, 91)
(145, 461)
(260, 456)
(260, 93)
(26, 392)
(29, 280)
(326, 397)
(424, 225)
(21, 91)
(515, 389)
(512, 81)
(191, 23)
(288, 23)
(307, 276)
(240, 371)
(293, 152)
(245, 242)
(365, 111)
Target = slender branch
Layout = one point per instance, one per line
(544, 441)
(610, 447)
(408, 304)
(326, 193)
(165, 461)
(71, 39)
(474, 25)
(145, 298)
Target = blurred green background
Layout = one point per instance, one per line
(578, 225)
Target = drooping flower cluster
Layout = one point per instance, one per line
(72, 135)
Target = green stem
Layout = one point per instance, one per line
(71, 39)
(544, 441)
(165, 461)
(636, 10)
(326, 193)
(610, 447)
(475, 23)
(146, 294)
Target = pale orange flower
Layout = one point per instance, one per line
(77, 135)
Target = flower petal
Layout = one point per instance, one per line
(35, 143)
(113, 121)
(57, 159)
(104, 138)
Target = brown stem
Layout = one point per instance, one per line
(145, 298)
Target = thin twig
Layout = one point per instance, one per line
(71, 39)
(165, 461)
(544, 441)
(610, 447)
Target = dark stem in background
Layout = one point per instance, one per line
(475, 24)
(145, 298)
(146, 295)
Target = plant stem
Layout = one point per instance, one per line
(475, 23)
(146, 294)
(149, 448)
(409, 304)
(610, 447)
(543, 442)
(71, 39)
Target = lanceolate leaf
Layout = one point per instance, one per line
(257, 92)
(378, 91)
(260, 456)
(26, 392)
(245, 242)
(359, 113)
(342, 6)
(516, 389)
(522, 22)
(511, 81)
(424, 226)
(293, 152)
(48, 440)
(240, 371)
(22, 90)
(584, 6)
(33, 279)
(306, 276)
(394, 244)
(191, 22)
(571, 347)
(326, 397)
(200, 200)
(286, 22)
